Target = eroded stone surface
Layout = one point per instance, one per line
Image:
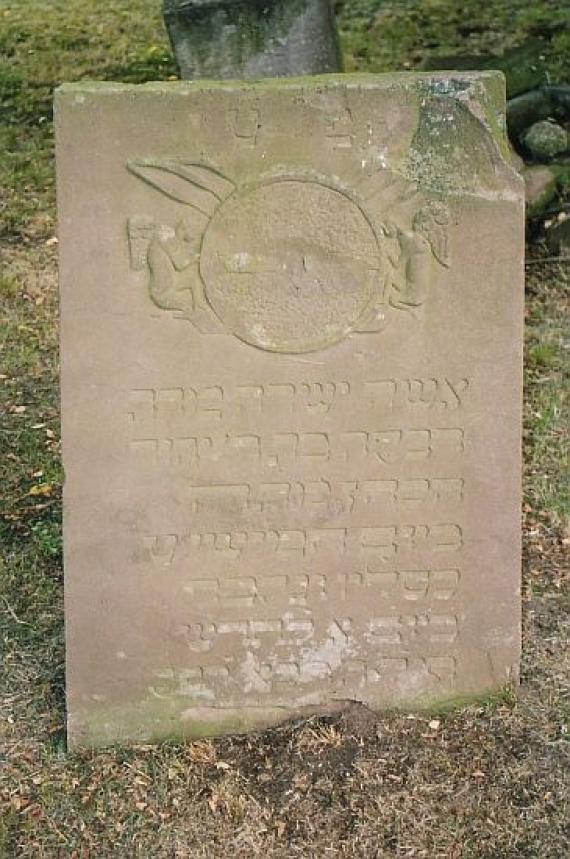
(291, 399)
(251, 39)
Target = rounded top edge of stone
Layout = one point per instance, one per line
(441, 82)
(190, 5)
(178, 5)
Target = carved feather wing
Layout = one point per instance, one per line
(192, 184)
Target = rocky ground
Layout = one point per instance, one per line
(489, 780)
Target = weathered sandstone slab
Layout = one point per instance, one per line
(291, 384)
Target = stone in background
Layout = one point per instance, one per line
(252, 38)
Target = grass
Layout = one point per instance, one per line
(378, 35)
(487, 780)
(547, 451)
(42, 44)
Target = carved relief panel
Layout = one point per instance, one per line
(294, 261)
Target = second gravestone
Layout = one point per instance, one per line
(291, 380)
(252, 39)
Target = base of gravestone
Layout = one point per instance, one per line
(252, 39)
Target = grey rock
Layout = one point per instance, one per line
(546, 139)
(540, 189)
(252, 38)
(558, 237)
(545, 102)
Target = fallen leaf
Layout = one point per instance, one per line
(41, 489)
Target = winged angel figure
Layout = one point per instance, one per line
(293, 247)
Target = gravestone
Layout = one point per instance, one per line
(291, 385)
(252, 38)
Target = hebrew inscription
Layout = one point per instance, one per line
(287, 400)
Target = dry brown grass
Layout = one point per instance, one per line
(487, 781)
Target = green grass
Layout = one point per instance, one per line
(490, 781)
(381, 36)
(547, 402)
(41, 45)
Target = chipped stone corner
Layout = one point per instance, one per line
(461, 144)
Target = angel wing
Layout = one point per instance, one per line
(193, 184)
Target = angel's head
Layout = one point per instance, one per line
(431, 222)
(430, 214)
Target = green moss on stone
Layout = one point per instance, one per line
(164, 717)
(408, 81)
(490, 699)
(461, 137)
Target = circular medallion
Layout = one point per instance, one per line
(290, 265)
